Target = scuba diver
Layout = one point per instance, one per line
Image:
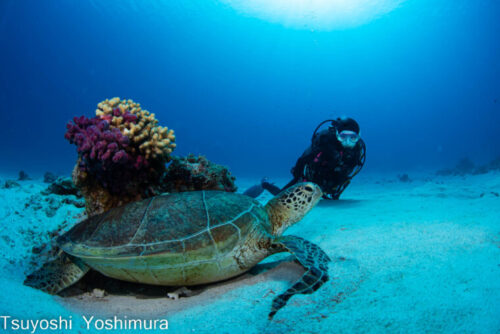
(335, 156)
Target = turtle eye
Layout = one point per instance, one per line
(308, 188)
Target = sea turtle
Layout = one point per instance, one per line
(188, 238)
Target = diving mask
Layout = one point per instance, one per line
(348, 138)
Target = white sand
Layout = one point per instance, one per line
(417, 257)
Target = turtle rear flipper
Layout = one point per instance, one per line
(57, 274)
(312, 258)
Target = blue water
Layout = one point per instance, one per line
(423, 80)
(246, 88)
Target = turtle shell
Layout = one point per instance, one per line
(199, 221)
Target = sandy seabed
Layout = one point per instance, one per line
(412, 257)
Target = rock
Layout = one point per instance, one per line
(50, 212)
(55, 201)
(181, 292)
(54, 205)
(481, 170)
(404, 178)
(7, 239)
(193, 173)
(23, 176)
(494, 164)
(494, 193)
(79, 203)
(49, 177)
(465, 166)
(444, 172)
(34, 202)
(37, 249)
(98, 293)
(11, 184)
(62, 186)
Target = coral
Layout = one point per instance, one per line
(197, 173)
(140, 126)
(98, 143)
(99, 198)
(122, 154)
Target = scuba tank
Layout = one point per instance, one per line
(333, 124)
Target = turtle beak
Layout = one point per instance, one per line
(318, 192)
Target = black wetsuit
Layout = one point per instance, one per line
(327, 163)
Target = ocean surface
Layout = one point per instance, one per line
(415, 238)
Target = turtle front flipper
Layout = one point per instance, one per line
(312, 258)
(57, 274)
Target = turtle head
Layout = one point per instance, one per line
(291, 205)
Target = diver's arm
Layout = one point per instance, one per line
(361, 153)
(357, 162)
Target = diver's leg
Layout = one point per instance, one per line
(254, 191)
(273, 189)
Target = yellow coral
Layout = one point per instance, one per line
(152, 140)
